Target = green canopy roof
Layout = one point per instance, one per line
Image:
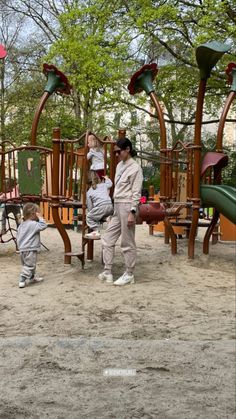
(207, 55)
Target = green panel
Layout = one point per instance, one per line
(207, 56)
(221, 197)
(52, 83)
(233, 85)
(145, 80)
(29, 172)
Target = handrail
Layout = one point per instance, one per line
(31, 147)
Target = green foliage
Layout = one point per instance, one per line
(92, 51)
(98, 45)
(151, 175)
(229, 173)
(22, 99)
(169, 32)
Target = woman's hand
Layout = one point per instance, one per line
(131, 219)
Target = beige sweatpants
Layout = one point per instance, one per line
(116, 228)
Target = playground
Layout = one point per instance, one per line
(74, 346)
(174, 327)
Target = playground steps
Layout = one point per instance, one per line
(80, 256)
(91, 238)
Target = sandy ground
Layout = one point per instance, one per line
(173, 331)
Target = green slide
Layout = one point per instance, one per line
(221, 197)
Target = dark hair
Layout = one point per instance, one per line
(123, 143)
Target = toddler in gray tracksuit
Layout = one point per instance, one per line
(28, 242)
(99, 204)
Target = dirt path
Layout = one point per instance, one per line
(173, 331)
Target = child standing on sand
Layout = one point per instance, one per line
(28, 242)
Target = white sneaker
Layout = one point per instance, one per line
(106, 277)
(35, 279)
(125, 279)
(22, 281)
(94, 235)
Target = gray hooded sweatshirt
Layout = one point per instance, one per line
(28, 235)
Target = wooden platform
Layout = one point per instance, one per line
(80, 256)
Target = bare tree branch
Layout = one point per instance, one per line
(173, 121)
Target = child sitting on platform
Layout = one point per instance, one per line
(96, 155)
(99, 204)
(28, 242)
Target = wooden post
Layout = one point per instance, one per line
(55, 195)
(162, 144)
(229, 100)
(197, 167)
(37, 114)
(90, 243)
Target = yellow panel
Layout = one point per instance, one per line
(227, 229)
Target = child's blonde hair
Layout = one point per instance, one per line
(93, 179)
(95, 143)
(29, 209)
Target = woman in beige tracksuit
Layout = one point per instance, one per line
(127, 193)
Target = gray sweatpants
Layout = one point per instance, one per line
(28, 261)
(117, 227)
(96, 214)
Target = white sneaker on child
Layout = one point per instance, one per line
(106, 277)
(94, 235)
(125, 279)
(35, 279)
(22, 281)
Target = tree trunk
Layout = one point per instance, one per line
(77, 105)
(2, 102)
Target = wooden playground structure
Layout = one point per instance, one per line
(56, 177)
(183, 162)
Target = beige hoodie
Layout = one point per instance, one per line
(128, 183)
